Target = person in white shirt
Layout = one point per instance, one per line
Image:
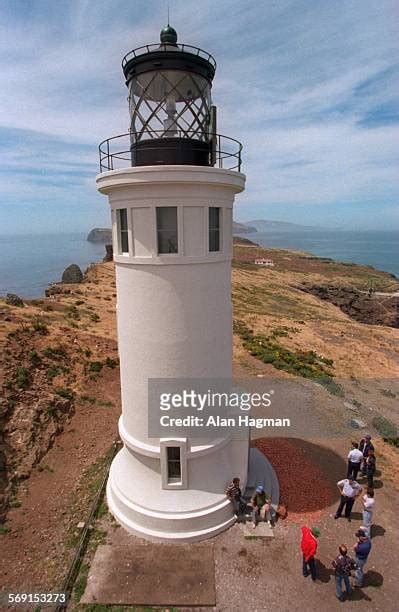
(355, 457)
(349, 490)
(368, 511)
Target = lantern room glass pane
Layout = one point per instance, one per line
(169, 103)
(214, 229)
(167, 229)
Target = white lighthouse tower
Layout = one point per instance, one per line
(171, 183)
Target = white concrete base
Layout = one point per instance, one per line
(143, 508)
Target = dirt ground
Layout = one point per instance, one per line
(41, 531)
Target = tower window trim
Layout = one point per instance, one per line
(171, 234)
(122, 226)
(214, 229)
(173, 465)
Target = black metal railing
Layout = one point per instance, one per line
(116, 152)
(169, 48)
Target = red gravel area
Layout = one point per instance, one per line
(305, 488)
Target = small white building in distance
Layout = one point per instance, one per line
(261, 261)
(171, 183)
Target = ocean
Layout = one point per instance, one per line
(379, 249)
(28, 264)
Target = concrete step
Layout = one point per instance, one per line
(262, 530)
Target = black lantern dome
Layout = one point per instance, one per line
(170, 102)
(168, 35)
(172, 119)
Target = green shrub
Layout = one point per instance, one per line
(55, 352)
(34, 358)
(95, 366)
(111, 363)
(40, 327)
(88, 399)
(307, 364)
(94, 317)
(65, 392)
(385, 428)
(22, 377)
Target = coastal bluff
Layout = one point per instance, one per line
(100, 235)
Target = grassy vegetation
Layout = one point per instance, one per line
(111, 363)
(55, 352)
(22, 378)
(95, 366)
(40, 327)
(307, 364)
(35, 359)
(386, 429)
(65, 392)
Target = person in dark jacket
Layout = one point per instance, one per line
(309, 549)
(343, 564)
(370, 468)
(362, 550)
(364, 446)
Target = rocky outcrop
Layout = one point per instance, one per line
(374, 309)
(13, 300)
(109, 253)
(100, 234)
(72, 274)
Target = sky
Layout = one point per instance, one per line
(310, 87)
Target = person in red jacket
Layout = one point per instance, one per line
(309, 548)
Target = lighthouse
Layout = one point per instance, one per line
(171, 183)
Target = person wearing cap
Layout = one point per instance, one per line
(368, 510)
(349, 490)
(260, 503)
(355, 457)
(362, 550)
(233, 493)
(343, 564)
(364, 446)
(309, 549)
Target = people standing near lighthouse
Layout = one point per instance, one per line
(309, 549)
(365, 445)
(368, 510)
(355, 457)
(362, 550)
(349, 490)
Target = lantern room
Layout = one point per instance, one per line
(172, 120)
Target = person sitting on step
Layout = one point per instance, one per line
(260, 502)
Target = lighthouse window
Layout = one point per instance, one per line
(214, 229)
(167, 229)
(174, 464)
(123, 237)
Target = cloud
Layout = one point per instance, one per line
(309, 88)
